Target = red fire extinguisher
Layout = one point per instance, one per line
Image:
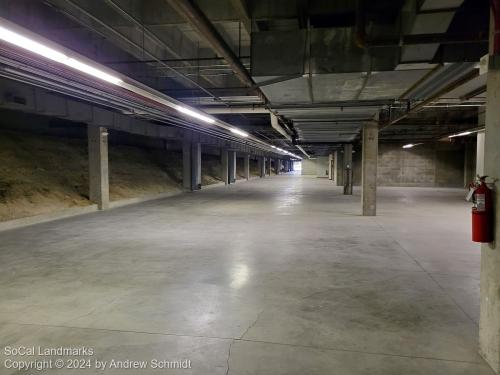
(482, 213)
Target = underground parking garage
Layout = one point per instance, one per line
(249, 187)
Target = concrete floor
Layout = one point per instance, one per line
(274, 276)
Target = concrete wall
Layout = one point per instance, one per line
(315, 167)
(437, 164)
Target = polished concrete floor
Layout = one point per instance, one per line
(275, 276)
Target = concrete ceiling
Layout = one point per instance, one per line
(317, 63)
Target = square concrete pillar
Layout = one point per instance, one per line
(339, 175)
(369, 169)
(269, 167)
(469, 163)
(335, 169)
(246, 166)
(232, 166)
(277, 166)
(196, 166)
(330, 166)
(347, 169)
(489, 321)
(480, 154)
(224, 156)
(191, 166)
(262, 166)
(98, 166)
(186, 165)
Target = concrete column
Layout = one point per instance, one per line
(369, 169)
(335, 167)
(347, 169)
(262, 166)
(480, 154)
(269, 166)
(98, 166)
(186, 165)
(277, 166)
(330, 166)
(232, 166)
(246, 167)
(489, 322)
(195, 166)
(469, 167)
(340, 168)
(224, 165)
(191, 166)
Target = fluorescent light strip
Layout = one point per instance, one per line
(51, 54)
(411, 145)
(194, 114)
(90, 70)
(460, 134)
(286, 152)
(239, 132)
(35, 47)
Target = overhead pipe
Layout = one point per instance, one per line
(234, 110)
(415, 39)
(195, 17)
(452, 86)
(122, 38)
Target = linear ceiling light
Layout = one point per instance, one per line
(460, 134)
(51, 54)
(38, 48)
(194, 114)
(239, 132)
(411, 145)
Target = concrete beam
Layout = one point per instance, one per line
(31, 99)
(369, 169)
(347, 169)
(98, 166)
